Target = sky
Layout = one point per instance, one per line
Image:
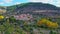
(14, 2)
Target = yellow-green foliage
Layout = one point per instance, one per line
(47, 23)
(1, 17)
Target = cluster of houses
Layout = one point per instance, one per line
(23, 17)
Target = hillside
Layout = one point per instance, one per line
(34, 8)
(30, 18)
(41, 6)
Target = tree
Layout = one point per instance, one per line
(19, 30)
(2, 28)
(7, 23)
(12, 19)
(10, 30)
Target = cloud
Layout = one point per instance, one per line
(18, 3)
(45, 1)
(7, 1)
(1, 3)
(54, 2)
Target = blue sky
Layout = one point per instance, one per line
(13, 2)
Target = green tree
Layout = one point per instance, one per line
(7, 23)
(9, 27)
(52, 32)
(12, 19)
(2, 28)
(19, 30)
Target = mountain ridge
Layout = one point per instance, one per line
(31, 7)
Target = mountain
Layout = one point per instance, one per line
(34, 8)
(32, 5)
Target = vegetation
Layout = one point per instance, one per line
(35, 25)
(47, 23)
(24, 27)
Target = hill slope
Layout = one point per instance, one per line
(30, 7)
(33, 8)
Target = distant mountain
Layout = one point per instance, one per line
(40, 6)
(34, 8)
